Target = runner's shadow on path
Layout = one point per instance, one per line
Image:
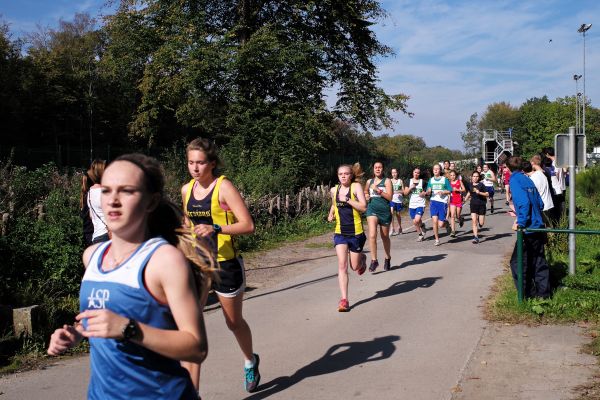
(399, 288)
(213, 302)
(418, 260)
(338, 357)
(291, 263)
(497, 236)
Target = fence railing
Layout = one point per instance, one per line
(521, 232)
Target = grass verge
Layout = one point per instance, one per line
(269, 236)
(576, 298)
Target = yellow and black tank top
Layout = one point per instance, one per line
(209, 211)
(348, 222)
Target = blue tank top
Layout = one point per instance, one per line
(124, 370)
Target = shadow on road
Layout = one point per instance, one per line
(418, 261)
(337, 358)
(399, 288)
(297, 286)
(292, 262)
(497, 236)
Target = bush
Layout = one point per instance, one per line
(588, 182)
(41, 250)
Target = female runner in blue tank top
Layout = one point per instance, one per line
(347, 202)
(139, 299)
(216, 211)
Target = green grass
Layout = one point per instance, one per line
(576, 297)
(269, 235)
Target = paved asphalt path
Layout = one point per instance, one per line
(409, 334)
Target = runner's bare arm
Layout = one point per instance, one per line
(331, 215)
(174, 286)
(230, 196)
(360, 203)
(184, 189)
(388, 193)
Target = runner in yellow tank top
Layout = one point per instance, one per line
(216, 211)
(347, 202)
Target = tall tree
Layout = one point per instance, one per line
(251, 74)
(472, 136)
(500, 116)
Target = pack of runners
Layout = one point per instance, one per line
(382, 199)
(152, 330)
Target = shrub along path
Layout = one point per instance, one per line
(415, 332)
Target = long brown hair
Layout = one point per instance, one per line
(91, 177)
(166, 221)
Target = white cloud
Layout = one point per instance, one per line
(456, 57)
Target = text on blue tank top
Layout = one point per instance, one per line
(199, 211)
(124, 369)
(346, 213)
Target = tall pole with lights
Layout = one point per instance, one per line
(583, 29)
(577, 95)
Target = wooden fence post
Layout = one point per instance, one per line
(4, 227)
(271, 204)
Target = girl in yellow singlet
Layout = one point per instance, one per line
(347, 202)
(216, 211)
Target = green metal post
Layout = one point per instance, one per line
(520, 265)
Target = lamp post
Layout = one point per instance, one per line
(583, 29)
(576, 78)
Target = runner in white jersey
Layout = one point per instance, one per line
(397, 203)
(416, 202)
(488, 180)
(439, 189)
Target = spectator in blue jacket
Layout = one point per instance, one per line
(528, 207)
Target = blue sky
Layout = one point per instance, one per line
(452, 57)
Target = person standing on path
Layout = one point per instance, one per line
(416, 202)
(397, 203)
(439, 189)
(456, 201)
(488, 180)
(347, 202)
(378, 193)
(541, 182)
(216, 212)
(558, 182)
(528, 206)
(478, 195)
(139, 298)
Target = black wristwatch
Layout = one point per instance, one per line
(131, 330)
(217, 228)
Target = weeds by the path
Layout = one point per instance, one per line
(576, 298)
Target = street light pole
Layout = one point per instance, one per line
(583, 29)
(577, 126)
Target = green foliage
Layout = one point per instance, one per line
(42, 246)
(499, 116)
(286, 230)
(588, 182)
(251, 76)
(472, 136)
(534, 123)
(577, 297)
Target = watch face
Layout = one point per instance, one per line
(130, 330)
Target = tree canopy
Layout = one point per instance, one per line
(534, 123)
